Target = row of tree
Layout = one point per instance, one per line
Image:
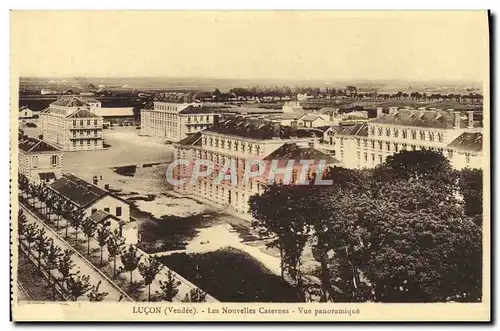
(70, 282)
(409, 230)
(48, 203)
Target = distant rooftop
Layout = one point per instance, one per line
(191, 140)
(360, 130)
(72, 101)
(255, 128)
(420, 118)
(198, 110)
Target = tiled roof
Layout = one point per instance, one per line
(428, 119)
(353, 130)
(309, 117)
(197, 110)
(77, 190)
(83, 113)
(468, 141)
(295, 152)
(251, 110)
(100, 216)
(190, 140)
(33, 145)
(255, 128)
(69, 102)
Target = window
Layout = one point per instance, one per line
(95, 122)
(450, 154)
(341, 154)
(467, 158)
(380, 145)
(388, 146)
(118, 211)
(380, 158)
(379, 131)
(106, 209)
(388, 132)
(431, 136)
(395, 133)
(373, 157)
(74, 123)
(405, 134)
(35, 161)
(422, 135)
(366, 157)
(54, 160)
(358, 142)
(365, 143)
(74, 143)
(358, 155)
(372, 131)
(81, 123)
(440, 137)
(396, 147)
(373, 144)
(88, 122)
(413, 134)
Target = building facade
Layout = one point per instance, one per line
(368, 145)
(240, 140)
(39, 160)
(174, 121)
(70, 124)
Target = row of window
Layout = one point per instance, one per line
(422, 135)
(54, 161)
(81, 122)
(118, 210)
(89, 142)
(229, 144)
(85, 133)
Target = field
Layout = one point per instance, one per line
(232, 276)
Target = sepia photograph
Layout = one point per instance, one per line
(250, 165)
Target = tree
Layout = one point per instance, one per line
(76, 220)
(95, 295)
(71, 213)
(422, 247)
(195, 295)
(470, 182)
(102, 238)
(169, 288)
(89, 227)
(41, 243)
(115, 245)
(22, 222)
(130, 259)
(65, 264)
(77, 285)
(30, 234)
(52, 257)
(149, 271)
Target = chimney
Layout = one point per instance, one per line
(106, 187)
(379, 112)
(393, 110)
(456, 120)
(277, 130)
(470, 117)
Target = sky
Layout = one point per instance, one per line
(329, 45)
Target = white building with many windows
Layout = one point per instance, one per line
(174, 121)
(70, 124)
(239, 139)
(367, 145)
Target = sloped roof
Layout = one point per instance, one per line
(190, 140)
(353, 130)
(83, 113)
(69, 102)
(100, 216)
(77, 190)
(310, 117)
(295, 152)
(468, 141)
(427, 119)
(33, 145)
(259, 129)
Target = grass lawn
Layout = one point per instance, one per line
(231, 275)
(36, 286)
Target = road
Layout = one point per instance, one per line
(82, 264)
